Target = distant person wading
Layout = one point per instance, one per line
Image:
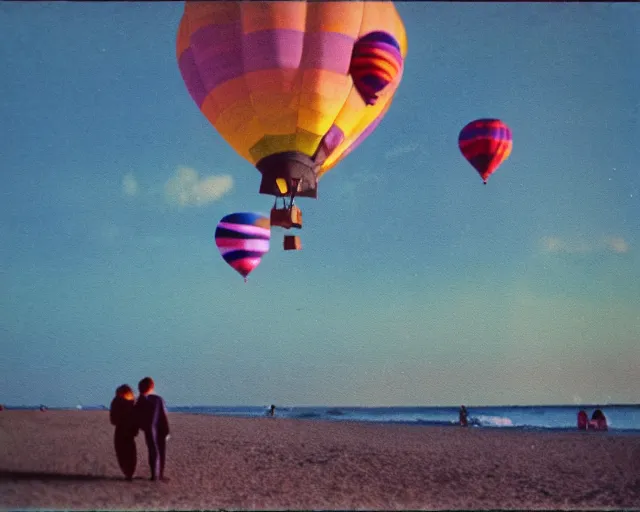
(463, 416)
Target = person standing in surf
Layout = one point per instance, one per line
(583, 420)
(598, 421)
(463, 416)
(151, 416)
(122, 416)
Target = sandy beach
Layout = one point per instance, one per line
(65, 459)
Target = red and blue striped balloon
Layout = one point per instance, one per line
(375, 63)
(242, 239)
(485, 143)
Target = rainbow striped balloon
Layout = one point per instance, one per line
(485, 143)
(242, 239)
(293, 87)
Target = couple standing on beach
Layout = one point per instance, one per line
(149, 414)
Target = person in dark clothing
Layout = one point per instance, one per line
(122, 416)
(151, 417)
(463, 416)
(598, 421)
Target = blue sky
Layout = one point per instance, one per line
(416, 283)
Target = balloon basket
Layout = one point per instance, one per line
(292, 243)
(286, 217)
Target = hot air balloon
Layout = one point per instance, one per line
(485, 143)
(293, 87)
(242, 239)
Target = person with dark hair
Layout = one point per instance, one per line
(598, 420)
(463, 416)
(122, 416)
(151, 416)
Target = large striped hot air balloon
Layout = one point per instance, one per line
(242, 239)
(485, 143)
(293, 87)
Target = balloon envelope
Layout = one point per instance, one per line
(485, 143)
(292, 86)
(242, 239)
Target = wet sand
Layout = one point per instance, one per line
(66, 459)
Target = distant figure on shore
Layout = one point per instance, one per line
(1, 407)
(583, 420)
(272, 410)
(463, 416)
(598, 421)
(151, 415)
(122, 416)
(43, 408)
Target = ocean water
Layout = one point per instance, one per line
(621, 418)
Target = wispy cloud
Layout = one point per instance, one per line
(129, 185)
(186, 188)
(554, 244)
(401, 150)
(110, 232)
(352, 184)
(559, 245)
(617, 244)
(113, 234)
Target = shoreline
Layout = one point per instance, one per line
(621, 420)
(65, 459)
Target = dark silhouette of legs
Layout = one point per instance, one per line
(126, 453)
(157, 454)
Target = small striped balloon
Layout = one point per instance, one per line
(375, 63)
(242, 239)
(485, 143)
